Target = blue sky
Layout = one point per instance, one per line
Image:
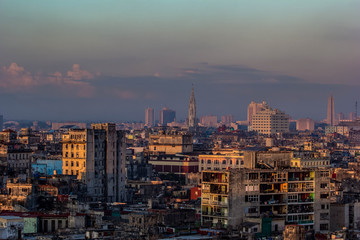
(109, 60)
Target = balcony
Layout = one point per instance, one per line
(215, 214)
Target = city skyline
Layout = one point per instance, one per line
(127, 56)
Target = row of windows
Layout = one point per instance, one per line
(72, 155)
(72, 172)
(237, 162)
(77, 146)
(72, 163)
(19, 156)
(20, 165)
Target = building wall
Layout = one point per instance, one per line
(105, 173)
(171, 144)
(269, 121)
(305, 124)
(220, 162)
(76, 145)
(294, 195)
(339, 214)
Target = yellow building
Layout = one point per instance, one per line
(171, 143)
(74, 152)
(221, 161)
(270, 121)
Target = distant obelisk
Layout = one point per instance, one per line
(191, 121)
(330, 111)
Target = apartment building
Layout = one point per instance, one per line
(221, 161)
(97, 157)
(270, 121)
(172, 143)
(271, 197)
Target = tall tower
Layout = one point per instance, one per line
(330, 111)
(191, 121)
(149, 117)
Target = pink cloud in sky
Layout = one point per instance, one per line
(78, 74)
(15, 78)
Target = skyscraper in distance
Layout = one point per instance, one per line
(167, 116)
(330, 111)
(192, 121)
(149, 117)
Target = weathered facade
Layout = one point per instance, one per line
(294, 195)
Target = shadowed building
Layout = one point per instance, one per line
(167, 116)
(330, 111)
(149, 117)
(192, 121)
(97, 156)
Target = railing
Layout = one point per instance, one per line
(215, 214)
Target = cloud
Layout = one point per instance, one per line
(234, 74)
(16, 78)
(79, 74)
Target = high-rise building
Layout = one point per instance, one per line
(97, 157)
(270, 121)
(149, 117)
(167, 116)
(304, 124)
(340, 116)
(268, 197)
(227, 120)
(208, 121)
(352, 116)
(253, 108)
(330, 111)
(192, 121)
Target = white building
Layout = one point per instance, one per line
(254, 108)
(270, 121)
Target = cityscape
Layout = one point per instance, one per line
(188, 120)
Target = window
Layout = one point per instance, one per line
(224, 162)
(324, 195)
(323, 185)
(77, 163)
(72, 163)
(209, 161)
(324, 227)
(237, 162)
(252, 198)
(324, 206)
(66, 163)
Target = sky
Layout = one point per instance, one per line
(108, 60)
